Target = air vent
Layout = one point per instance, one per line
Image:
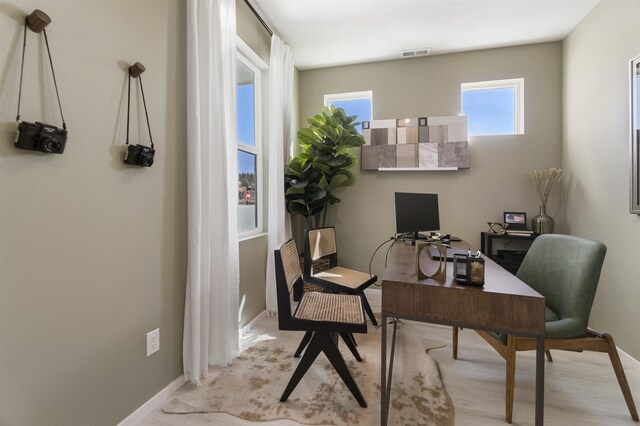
(425, 51)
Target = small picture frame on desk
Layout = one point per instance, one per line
(517, 221)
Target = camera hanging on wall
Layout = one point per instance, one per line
(138, 155)
(39, 136)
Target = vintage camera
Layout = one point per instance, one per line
(139, 155)
(41, 137)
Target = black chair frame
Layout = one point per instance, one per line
(322, 336)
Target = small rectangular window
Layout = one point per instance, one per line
(353, 103)
(494, 107)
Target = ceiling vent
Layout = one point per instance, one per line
(425, 51)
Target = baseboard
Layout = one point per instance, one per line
(251, 324)
(146, 408)
(137, 416)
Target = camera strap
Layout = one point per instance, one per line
(53, 73)
(144, 101)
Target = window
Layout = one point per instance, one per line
(494, 107)
(353, 103)
(249, 121)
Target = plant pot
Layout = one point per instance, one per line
(542, 224)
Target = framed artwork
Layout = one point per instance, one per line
(516, 220)
(634, 121)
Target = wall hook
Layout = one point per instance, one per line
(37, 21)
(136, 69)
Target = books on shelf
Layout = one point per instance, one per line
(519, 232)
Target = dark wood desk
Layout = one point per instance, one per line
(504, 304)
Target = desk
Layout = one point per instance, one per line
(504, 304)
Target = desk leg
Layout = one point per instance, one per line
(385, 384)
(539, 380)
(383, 373)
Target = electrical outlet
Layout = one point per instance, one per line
(153, 341)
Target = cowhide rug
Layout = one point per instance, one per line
(251, 387)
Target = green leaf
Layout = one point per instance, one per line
(352, 140)
(295, 190)
(297, 207)
(321, 165)
(346, 173)
(323, 182)
(307, 136)
(339, 161)
(315, 192)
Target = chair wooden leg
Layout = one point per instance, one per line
(548, 353)
(455, 342)
(348, 339)
(355, 342)
(334, 337)
(367, 308)
(622, 378)
(303, 343)
(334, 356)
(511, 377)
(310, 355)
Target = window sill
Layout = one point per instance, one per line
(252, 236)
(497, 135)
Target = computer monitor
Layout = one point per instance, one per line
(416, 212)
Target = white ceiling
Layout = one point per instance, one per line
(326, 33)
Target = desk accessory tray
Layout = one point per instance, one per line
(468, 270)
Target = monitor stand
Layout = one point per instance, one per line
(417, 236)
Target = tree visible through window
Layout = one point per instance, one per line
(249, 154)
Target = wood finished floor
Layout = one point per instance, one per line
(580, 388)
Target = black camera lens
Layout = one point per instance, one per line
(51, 145)
(146, 161)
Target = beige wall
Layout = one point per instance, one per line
(251, 31)
(596, 158)
(92, 252)
(497, 180)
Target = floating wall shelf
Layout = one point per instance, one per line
(417, 169)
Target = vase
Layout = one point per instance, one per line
(542, 224)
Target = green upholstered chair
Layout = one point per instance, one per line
(565, 270)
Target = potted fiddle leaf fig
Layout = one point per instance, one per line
(312, 177)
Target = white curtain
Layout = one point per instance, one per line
(280, 139)
(211, 307)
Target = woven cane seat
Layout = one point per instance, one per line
(330, 307)
(344, 276)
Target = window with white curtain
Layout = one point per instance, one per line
(249, 122)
